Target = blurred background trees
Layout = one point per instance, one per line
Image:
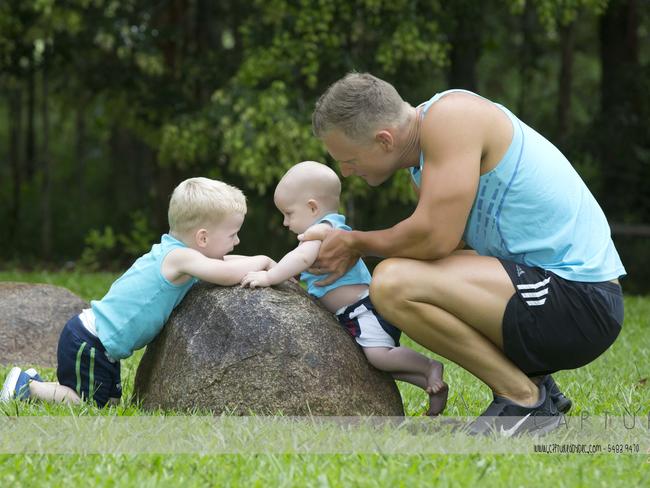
(105, 105)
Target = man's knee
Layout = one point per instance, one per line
(387, 284)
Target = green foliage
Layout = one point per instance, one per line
(144, 93)
(104, 249)
(258, 124)
(140, 239)
(100, 248)
(263, 136)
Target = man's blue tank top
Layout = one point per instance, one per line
(357, 275)
(139, 303)
(533, 208)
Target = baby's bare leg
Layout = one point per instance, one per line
(408, 362)
(408, 365)
(414, 379)
(52, 392)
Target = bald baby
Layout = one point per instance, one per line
(308, 196)
(309, 181)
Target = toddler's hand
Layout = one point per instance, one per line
(270, 264)
(255, 279)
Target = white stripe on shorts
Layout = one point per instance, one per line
(534, 286)
(535, 294)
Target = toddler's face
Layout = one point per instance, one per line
(222, 237)
(298, 215)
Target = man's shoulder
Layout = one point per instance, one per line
(460, 105)
(457, 122)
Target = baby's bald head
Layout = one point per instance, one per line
(310, 180)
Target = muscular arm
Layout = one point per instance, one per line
(452, 140)
(452, 147)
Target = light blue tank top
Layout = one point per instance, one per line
(357, 275)
(139, 303)
(533, 208)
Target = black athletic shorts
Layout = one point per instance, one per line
(552, 323)
(84, 365)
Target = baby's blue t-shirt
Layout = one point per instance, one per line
(357, 275)
(534, 209)
(139, 303)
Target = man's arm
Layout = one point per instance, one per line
(289, 266)
(435, 229)
(180, 262)
(452, 142)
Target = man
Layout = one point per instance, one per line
(539, 290)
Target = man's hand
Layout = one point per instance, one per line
(256, 279)
(335, 256)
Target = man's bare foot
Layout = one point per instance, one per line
(436, 388)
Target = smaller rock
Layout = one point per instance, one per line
(31, 319)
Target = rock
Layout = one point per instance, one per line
(31, 319)
(262, 351)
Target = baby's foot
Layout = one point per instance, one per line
(437, 389)
(438, 400)
(434, 377)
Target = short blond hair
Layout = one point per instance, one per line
(196, 202)
(357, 104)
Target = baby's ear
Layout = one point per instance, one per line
(313, 205)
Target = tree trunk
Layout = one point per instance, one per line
(204, 26)
(528, 57)
(46, 193)
(465, 37)
(80, 150)
(30, 138)
(619, 51)
(15, 114)
(567, 39)
(618, 128)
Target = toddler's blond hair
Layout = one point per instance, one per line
(199, 201)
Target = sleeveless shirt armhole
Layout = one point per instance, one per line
(162, 276)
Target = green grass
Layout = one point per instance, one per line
(615, 383)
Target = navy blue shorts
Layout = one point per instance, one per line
(552, 324)
(84, 366)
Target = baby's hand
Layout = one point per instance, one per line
(271, 264)
(256, 279)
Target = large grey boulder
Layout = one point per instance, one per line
(262, 351)
(31, 319)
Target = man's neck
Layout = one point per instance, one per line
(410, 151)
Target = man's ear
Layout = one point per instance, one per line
(201, 238)
(313, 205)
(385, 139)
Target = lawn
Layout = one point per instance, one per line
(615, 385)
